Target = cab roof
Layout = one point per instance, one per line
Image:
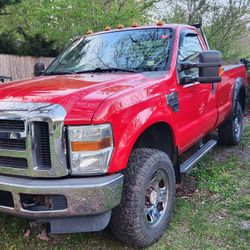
(170, 26)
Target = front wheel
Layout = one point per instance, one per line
(231, 131)
(148, 198)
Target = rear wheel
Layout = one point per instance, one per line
(148, 198)
(231, 131)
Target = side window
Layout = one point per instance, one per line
(189, 49)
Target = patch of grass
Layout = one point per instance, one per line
(216, 215)
(245, 141)
(217, 177)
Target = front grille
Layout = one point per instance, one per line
(42, 147)
(32, 142)
(12, 144)
(12, 125)
(13, 162)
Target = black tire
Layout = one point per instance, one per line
(129, 222)
(231, 131)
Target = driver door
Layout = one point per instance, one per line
(198, 112)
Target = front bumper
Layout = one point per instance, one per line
(81, 196)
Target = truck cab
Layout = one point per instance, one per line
(96, 138)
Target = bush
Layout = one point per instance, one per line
(31, 45)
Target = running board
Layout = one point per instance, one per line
(188, 164)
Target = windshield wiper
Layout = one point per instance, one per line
(100, 70)
(59, 73)
(96, 70)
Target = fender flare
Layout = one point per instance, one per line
(239, 84)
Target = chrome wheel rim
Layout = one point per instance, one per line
(156, 198)
(237, 126)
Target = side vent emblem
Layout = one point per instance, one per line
(173, 101)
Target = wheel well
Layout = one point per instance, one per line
(242, 99)
(158, 136)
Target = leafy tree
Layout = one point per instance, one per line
(229, 26)
(4, 3)
(61, 20)
(225, 21)
(8, 44)
(52, 23)
(37, 45)
(34, 45)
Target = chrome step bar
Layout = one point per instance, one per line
(188, 164)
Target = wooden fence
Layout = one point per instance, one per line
(20, 67)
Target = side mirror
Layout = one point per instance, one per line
(39, 68)
(210, 70)
(209, 66)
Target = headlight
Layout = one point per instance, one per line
(91, 148)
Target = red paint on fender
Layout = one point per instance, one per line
(132, 102)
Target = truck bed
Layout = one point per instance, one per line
(232, 66)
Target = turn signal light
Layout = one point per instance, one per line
(160, 23)
(134, 25)
(220, 71)
(107, 28)
(91, 145)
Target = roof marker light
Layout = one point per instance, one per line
(134, 25)
(89, 32)
(160, 23)
(120, 26)
(107, 28)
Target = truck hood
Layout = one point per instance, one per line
(80, 95)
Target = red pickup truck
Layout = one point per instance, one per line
(96, 139)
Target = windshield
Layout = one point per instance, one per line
(130, 50)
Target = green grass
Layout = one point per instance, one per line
(213, 214)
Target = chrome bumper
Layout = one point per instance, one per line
(84, 196)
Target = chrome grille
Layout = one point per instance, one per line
(12, 144)
(32, 139)
(13, 162)
(12, 125)
(42, 146)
